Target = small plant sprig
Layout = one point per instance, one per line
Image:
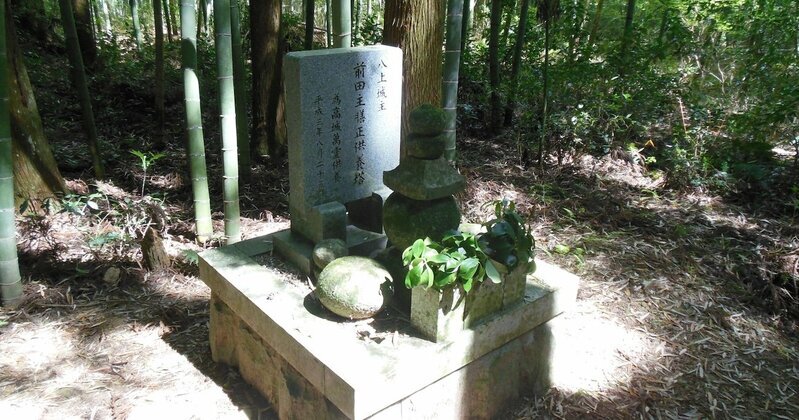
(464, 259)
(146, 159)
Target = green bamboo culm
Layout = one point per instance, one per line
(449, 87)
(309, 24)
(81, 85)
(239, 79)
(227, 104)
(10, 279)
(194, 123)
(134, 12)
(159, 73)
(328, 24)
(342, 24)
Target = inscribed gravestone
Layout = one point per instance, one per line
(343, 118)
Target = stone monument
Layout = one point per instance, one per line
(343, 115)
(343, 133)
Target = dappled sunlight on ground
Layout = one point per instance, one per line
(126, 370)
(595, 352)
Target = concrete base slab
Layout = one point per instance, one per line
(312, 365)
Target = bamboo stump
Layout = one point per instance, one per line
(154, 255)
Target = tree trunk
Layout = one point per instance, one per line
(239, 78)
(194, 122)
(342, 24)
(510, 108)
(592, 37)
(82, 12)
(356, 26)
(107, 16)
(10, 278)
(134, 12)
(627, 38)
(449, 88)
(416, 27)
(465, 20)
(511, 8)
(167, 19)
(579, 20)
(664, 24)
(268, 131)
(227, 125)
(329, 23)
(81, 87)
(160, 141)
(542, 146)
(493, 66)
(36, 174)
(309, 24)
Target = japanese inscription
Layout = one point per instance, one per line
(343, 120)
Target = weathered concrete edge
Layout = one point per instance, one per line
(552, 289)
(218, 268)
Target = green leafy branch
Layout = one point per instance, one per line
(464, 259)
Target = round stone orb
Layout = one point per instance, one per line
(405, 220)
(328, 250)
(427, 120)
(354, 287)
(426, 147)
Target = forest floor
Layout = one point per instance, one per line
(680, 313)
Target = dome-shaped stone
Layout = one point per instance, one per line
(427, 120)
(354, 287)
(328, 250)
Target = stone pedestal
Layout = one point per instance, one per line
(442, 316)
(310, 366)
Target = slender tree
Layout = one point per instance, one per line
(328, 23)
(10, 278)
(134, 12)
(227, 104)
(579, 13)
(239, 78)
(268, 128)
(82, 12)
(309, 24)
(355, 6)
(342, 24)
(449, 88)
(548, 11)
(627, 38)
(194, 123)
(159, 74)
(465, 21)
(518, 47)
(107, 17)
(81, 86)
(592, 37)
(172, 10)
(167, 19)
(415, 27)
(493, 66)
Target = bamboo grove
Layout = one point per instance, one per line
(699, 91)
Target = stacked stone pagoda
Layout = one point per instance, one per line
(422, 204)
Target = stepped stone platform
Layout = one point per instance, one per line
(310, 364)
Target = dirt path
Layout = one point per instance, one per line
(665, 326)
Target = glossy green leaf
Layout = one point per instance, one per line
(492, 273)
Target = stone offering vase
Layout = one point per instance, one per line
(441, 315)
